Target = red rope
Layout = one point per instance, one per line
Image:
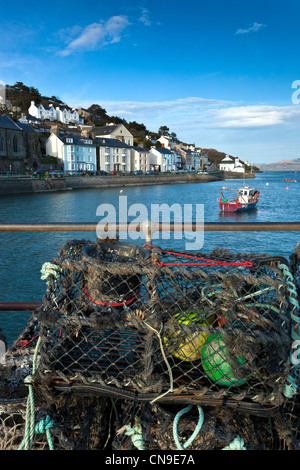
(23, 343)
(207, 262)
(115, 304)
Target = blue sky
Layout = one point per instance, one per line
(217, 73)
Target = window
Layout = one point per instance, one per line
(1, 144)
(15, 144)
(69, 140)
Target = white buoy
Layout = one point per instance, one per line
(121, 190)
(267, 184)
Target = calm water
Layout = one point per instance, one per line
(22, 254)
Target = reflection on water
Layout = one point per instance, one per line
(242, 216)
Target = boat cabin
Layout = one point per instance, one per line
(246, 194)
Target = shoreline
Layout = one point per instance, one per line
(69, 183)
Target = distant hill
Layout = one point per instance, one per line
(282, 165)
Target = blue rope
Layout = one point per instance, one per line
(291, 386)
(236, 444)
(195, 433)
(30, 427)
(136, 434)
(44, 426)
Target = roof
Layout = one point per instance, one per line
(7, 123)
(29, 117)
(105, 130)
(227, 159)
(139, 149)
(77, 140)
(26, 128)
(104, 142)
(163, 150)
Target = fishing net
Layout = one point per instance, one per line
(135, 339)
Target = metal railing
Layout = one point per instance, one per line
(147, 227)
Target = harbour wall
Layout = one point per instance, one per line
(28, 185)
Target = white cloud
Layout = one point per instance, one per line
(145, 17)
(252, 28)
(95, 35)
(252, 116)
(140, 108)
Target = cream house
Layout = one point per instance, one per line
(113, 131)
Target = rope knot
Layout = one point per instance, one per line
(29, 380)
(44, 425)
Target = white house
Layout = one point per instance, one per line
(64, 115)
(113, 131)
(113, 155)
(162, 159)
(232, 164)
(167, 141)
(77, 153)
(140, 159)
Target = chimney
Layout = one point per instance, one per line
(55, 129)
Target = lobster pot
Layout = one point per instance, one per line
(201, 328)
(88, 326)
(117, 355)
(226, 326)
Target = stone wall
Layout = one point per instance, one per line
(28, 185)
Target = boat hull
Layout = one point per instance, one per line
(236, 206)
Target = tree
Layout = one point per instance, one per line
(163, 130)
(97, 114)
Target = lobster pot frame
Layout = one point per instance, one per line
(167, 326)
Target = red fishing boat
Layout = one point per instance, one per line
(245, 199)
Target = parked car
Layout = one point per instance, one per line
(39, 173)
(101, 172)
(151, 172)
(138, 172)
(114, 173)
(56, 173)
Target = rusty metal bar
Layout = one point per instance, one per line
(19, 306)
(208, 227)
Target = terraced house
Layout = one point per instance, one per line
(113, 155)
(74, 153)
